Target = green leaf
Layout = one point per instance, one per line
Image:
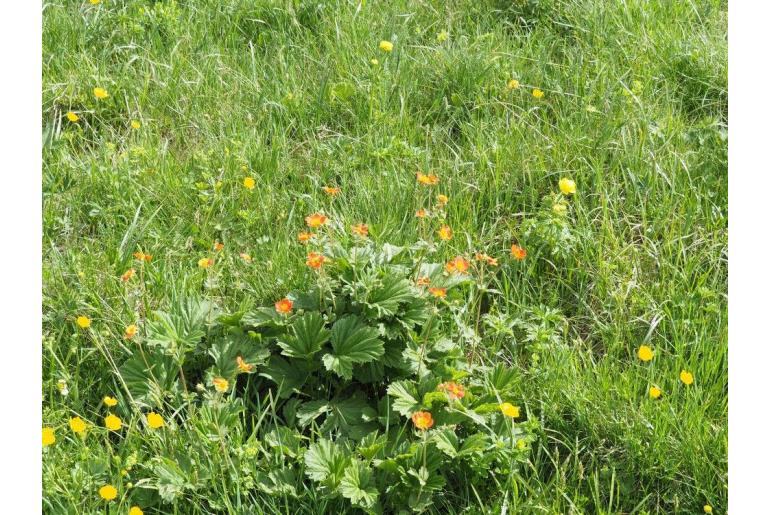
(308, 337)
(310, 411)
(474, 444)
(446, 441)
(325, 462)
(352, 342)
(285, 440)
(288, 376)
(356, 486)
(179, 331)
(148, 380)
(384, 299)
(405, 397)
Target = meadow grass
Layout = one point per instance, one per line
(634, 110)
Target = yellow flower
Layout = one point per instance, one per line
(130, 332)
(135, 124)
(249, 183)
(442, 199)
(220, 384)
(445, 233)
(509, 410)
(707, 508)
(567, 186)
(243, 366)
(108, 492)
(112, 422)
(110, 401)
(686, 377)
(645, 353)
(513, 84)
(72, 117)
(429, 179)
(537, 93)
(655, 392)
(135, 510)
(520, 444)
(386, 46)
(94, 2)
(83, 322)
(205, 262)
(154, 420)
(100, 93)
(442, 36)
(48, 436)
(77, 424)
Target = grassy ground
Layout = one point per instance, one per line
(634, 110)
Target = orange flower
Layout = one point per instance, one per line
(141, 256)
(442, 200)
(423, 281)
(459, 264)
(205, 262)
(518, 252)
(439, 293)
(130, 332)
(361, 230)
(487, 259)
(245, 257)
(305, 237)
(445, 233)
(427, 180)
(420, 213)
(218, 246)
(284, 306)
(127, 275)
(315, 260)
(220, 384)
(331, 191)
(452, 389)
(243, 366)
(315, 220)
(422, 420)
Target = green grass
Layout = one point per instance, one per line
(634, 110)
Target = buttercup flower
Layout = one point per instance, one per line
(422, 420)
(315, 220)
(77, 424)
(445, 233)
(645, 353)
(386, 46)
(284, 306)
(72, 117)
(49, 437)
(249, 183)
(83, 322)
(205, 262)
(513, 84)
(452, 389)
(427, 179)
(220, 384)
(518, 252)
(423, 281)
(135, 510)
(112, 422)
(101, 93)
(331, 191)
(135, 124)
(537, 93)
(567, 186)
(95, 2)
(707, 508)
(509, 410)
(127, 275)
(108, 492)
(361, 230)
(439, 293)
(315, 260)
(154, 420)
(442, 199)
(130, 332)
(655, 392)
(243, 366)
(686, 377)
(110, 401)
(305, 237)
(420, 213)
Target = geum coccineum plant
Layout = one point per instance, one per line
(362, 366)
